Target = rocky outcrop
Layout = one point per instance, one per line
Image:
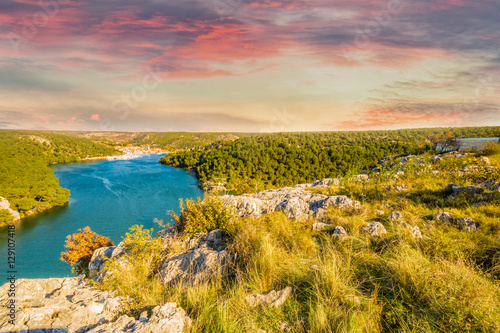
(273, 298)
(5, 204)
(100, 256)
(492, 185)
(443, 217)
(294, 202)
(203, 260)
(67, 303)
(468, 224)
(453, 154)
(327, 182)
(166, 319)
(374, 229)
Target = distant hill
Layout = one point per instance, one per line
(26, 181)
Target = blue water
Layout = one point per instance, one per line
(108, 196)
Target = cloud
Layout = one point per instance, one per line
(95, 117)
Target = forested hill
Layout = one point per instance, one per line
(171, 141)
(25, 178)
(275, 160)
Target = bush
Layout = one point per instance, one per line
(492, 148)
(81, 247)
(5, 217)
(204, 216)
(132, 275)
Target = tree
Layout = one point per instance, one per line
(81, 247)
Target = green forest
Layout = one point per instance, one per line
(167, 140)
(25, 178)
(254, 163)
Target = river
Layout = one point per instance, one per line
(108, 196)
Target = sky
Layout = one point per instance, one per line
(248, 65)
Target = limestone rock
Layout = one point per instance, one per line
(341, 202)
(454, 189)
(327, 182)
(295, 202)
(360, 178)
(199, 264)
(443, 217)
(273, 298)
(492, 185)
(468, 224)
(5, 204)
(339, 232)
(166, 319)
(374, 229)
(415, 231)
(318, 226)
(63, 303)
(396, 216)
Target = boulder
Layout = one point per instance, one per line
(454, 189)
(341, 202)
(101, 256)
(203, 261)
(326, 182)
(468, 224)
(492, 185)
(245, 206)
(415, 231)
(318, 226)
(443, 217)
(375, 229)
(360, 178)
(273, 298)
(396, 216)
(339, 232)
(167, 319)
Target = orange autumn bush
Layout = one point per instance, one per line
(81, 246)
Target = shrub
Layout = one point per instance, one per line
(5, 217)
(492, 148)
(132, 275)
(204, 216)
(81, 247)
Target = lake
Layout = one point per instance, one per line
(108, 196)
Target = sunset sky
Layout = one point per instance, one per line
(244, 65)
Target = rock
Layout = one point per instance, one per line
(166, 319)
(273, 298)
(318, 226)
(415, 231)
(326, 182)
(401, 188)
(359, 178)
(443, 217)
(245, 206)
(468, 224)
(339, 232)
(100, 257)
(374, 229)
(454, 189)
(341, 202)
(492, 185)
(396, 216)
(62, 303)
(294, 208)
(294, 202)
(199, 264)
(379, 212)
(5, 204)
(213, 187)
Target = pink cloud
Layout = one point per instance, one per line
(95, 117)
